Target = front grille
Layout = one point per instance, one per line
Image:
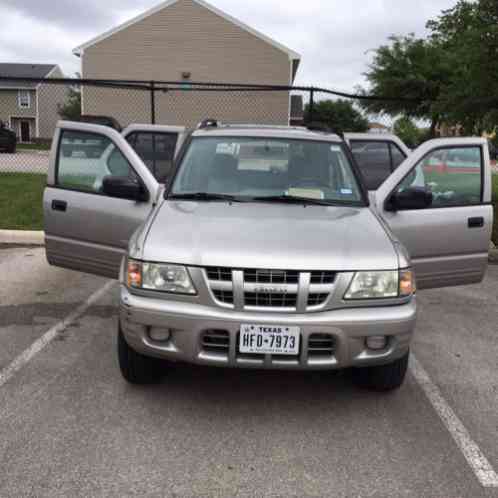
(322, 277)
(317, 299)
(219, 273)
(270, 300)
(224, 296)
(271, 276)
(289, 290)
(216, 341)
(321, 345)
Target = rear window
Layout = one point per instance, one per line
(157, 151)
(376, 160)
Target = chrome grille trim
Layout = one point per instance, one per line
(216, 341)
(321, 345)
(252, 289)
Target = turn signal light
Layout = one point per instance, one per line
(407, 285)
(134, 274)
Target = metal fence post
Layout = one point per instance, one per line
(312, 105)
(152, 103)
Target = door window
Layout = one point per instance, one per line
(397, 157)
(453, 175)
(85, 159)
(157, 151)
(374, 160)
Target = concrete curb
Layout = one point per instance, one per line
(22, 237)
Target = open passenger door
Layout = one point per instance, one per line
(97, 195)
(438, 204)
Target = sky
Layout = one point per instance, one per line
(334, 37)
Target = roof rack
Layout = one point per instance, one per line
(208, 123)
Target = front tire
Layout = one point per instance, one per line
(382, 377)
(135, 367)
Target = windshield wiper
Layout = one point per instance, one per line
(205, 196)
(292, 199)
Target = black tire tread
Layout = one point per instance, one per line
(135, 367)
(383, 377)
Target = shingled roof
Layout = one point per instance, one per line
(15, 70)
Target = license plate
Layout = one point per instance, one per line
(269, 339)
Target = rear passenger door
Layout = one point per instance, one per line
(157, 146)
(87, 229)
(438, 204)
(376, 156)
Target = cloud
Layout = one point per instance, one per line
(333, 36)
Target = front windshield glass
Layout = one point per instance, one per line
(250, 168)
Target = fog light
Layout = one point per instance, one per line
(376, 342)
(159, 334)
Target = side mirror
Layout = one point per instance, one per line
(124, 187)
(410, 198)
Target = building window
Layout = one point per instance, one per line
(24, 99)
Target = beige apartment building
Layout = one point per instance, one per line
(188, 41)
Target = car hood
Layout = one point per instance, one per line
(264, 235)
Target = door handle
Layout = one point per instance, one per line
(477, 222)
(59, 205)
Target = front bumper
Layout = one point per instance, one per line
(190, 322)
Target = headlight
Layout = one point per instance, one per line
(159, 277)
(381, 284)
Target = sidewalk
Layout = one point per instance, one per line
(22, 237)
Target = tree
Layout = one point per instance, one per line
(340, 115)
(411, 73)
(406, 129)
(71, 109)
(468, 33)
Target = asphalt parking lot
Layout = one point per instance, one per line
(70, 426)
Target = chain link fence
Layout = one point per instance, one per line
(30, 109)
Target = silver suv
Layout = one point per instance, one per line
(264, 249)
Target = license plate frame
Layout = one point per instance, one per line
(269, 339)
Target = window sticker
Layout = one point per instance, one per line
(309, 193)
(346, 191)
(335, 148)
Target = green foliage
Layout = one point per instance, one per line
(340, 115)
(451, 76)
(410, 71)
(71, 109)
(406, 129)
(468, 34)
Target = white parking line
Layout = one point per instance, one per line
(472, 453)
(29, 353)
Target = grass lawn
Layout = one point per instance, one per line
(33, 146)
(21, 201)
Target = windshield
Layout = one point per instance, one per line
(259, 168)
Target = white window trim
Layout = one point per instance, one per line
(19, 101)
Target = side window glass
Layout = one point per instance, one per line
(157, 151)
(454, 176)
(84, 160)
(374, 161)
(396, 155)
